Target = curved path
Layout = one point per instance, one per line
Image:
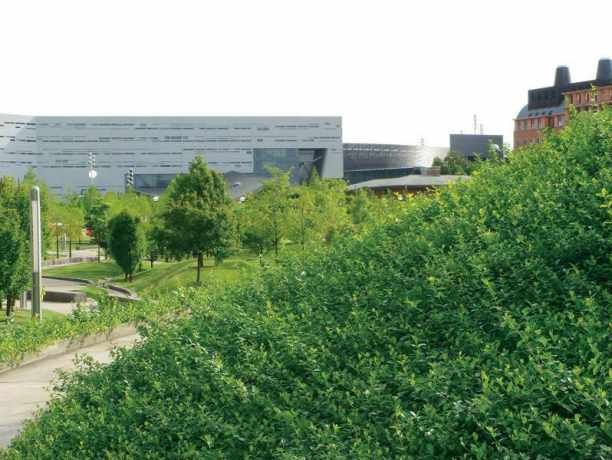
(26, 389)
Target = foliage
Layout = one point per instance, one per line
(455, 163)
(126, 242)
(477, 326)
(14, 257)
(14, 243)
(66, 218)
(281, 213)
(265, 214)
(20, 338)
(195, 215)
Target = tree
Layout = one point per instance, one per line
(455, 163)
(14, 257)
(126, 242)
(196, 215)
(266, 214)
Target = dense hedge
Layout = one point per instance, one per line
(478, 326)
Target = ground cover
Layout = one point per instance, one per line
(477, 326)
(25, 316)
(164, 276)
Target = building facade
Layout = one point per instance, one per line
(60, 149)
(472, 146)
(363, 162)
(548, 107)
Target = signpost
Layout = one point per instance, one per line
(36, 253)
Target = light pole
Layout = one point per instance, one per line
(92, 168)
(36, 253)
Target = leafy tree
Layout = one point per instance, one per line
(126, 242)
(14, 257)
(266, 214)
(455, 163)
(196, 215)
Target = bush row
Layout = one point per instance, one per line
(19, 339)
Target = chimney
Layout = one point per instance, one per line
(604, 70)
(562, 76)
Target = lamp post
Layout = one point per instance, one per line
(36, 253)
(92, 168)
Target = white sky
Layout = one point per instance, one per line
(395, 71)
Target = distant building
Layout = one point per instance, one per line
(64, 151)
(471, 146)
(548, 107)
(363, 162)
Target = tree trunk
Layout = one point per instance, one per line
(200, 264)
(98, 252)
(70, 249)
(10, 302)
(126, 277)
(152, 260)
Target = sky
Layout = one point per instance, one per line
(396, 71)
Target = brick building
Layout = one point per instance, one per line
(548, 107)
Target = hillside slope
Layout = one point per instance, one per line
(478, 326)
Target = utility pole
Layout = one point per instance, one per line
(36, 253)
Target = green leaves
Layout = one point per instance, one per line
(126, 242)
(476, 326)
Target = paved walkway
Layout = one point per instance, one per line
(25, 389)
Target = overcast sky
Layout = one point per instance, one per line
(396, 71)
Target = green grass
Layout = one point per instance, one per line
(163, 276)
(24, 316)
(89, 270)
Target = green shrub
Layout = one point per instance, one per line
(478, 326)
(20, 338)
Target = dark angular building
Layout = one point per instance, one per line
(548, 107)
(471, 146)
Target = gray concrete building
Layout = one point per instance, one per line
(471, 146)
(60, 150)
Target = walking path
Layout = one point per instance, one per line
(26, 389)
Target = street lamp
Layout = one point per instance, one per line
(92, 168)
(36, 239)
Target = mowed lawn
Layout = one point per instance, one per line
(164, 276)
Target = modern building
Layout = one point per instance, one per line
(471, 146)
(64, 150)
(548, 107)
(363, 162)
(407, 185)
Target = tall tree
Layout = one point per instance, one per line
(126, 242)
(266, 214)
(195, 215)
(14, 257)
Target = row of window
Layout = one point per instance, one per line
(539, 123)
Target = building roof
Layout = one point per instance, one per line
(526, 113)
(411, 181)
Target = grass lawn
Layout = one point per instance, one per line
(89, 270)
(23, 316)
(164, 276)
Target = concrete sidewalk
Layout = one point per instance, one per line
(26, 389)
